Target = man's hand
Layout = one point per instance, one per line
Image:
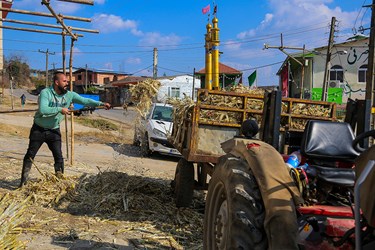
(65, 111)
(107, 105)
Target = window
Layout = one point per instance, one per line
(336, 73)
(163, 113)
(362, 71)
(79, 77)
(174, 92)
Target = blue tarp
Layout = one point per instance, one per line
(79, 106)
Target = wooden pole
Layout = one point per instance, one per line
(71, 89)
(66, 117)
(89, 2)
(45, 14)
(35, 30)
(46, 25)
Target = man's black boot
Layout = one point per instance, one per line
(59, 169)
(25, 172)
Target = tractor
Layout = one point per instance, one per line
(255, 201)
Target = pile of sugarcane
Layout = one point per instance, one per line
(182, 109)
(223, 100)
(143, 93)
(311, 109)
(11, 216)
(144, 205)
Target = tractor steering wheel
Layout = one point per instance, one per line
(360, 138)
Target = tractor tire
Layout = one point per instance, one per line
(234, 213)
(183, 183)
(145, 148)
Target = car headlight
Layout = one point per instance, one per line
(159, 133)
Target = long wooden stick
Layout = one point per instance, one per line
(66, 117)
(71, 89)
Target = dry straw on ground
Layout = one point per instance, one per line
(141, 205)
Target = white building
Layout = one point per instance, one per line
(178, 86)
(346, 71)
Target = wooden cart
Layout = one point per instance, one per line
(217, 117)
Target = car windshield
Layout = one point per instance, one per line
(162, 113)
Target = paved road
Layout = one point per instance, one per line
(18, 92)
(117, 114)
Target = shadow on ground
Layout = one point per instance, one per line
(135, 151)
(72, 241)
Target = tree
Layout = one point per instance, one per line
(17, 68)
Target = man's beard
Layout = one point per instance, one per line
(62, 89)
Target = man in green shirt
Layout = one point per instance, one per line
(53, 103)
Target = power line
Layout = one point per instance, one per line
(231, 42)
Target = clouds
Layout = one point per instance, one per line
(299, 13)
(111, 23)
(155, 38)
(58, 7)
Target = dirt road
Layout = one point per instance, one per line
(82, 229)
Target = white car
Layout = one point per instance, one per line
(152, 133)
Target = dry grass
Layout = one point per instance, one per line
(140, 205)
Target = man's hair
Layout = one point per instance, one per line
(56, 76)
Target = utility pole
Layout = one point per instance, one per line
(47, 53)
(155, 65)
(193, 91)
(370, 86)
(282, 49)
(86, 79)
(328, 59)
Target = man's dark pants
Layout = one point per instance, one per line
(38, 136)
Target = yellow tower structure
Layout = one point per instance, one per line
(215, 53)
(208, 80)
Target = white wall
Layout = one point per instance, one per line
(356, 55)
(183, 82)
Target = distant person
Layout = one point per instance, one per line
(53, 104)
(23, 100)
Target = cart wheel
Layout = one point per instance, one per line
(183, 183)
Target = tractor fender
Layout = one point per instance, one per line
(279, 193)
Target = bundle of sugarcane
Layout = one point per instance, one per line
(239, 88)
(11, 215)
(182, 109)
(311, 109)
(49, 190)
(220, 116)
(143, 93)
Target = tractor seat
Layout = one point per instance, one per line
(343, 177)
(323, 144)
(328, 141)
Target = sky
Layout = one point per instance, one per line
(130, 30)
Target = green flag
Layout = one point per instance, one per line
(252, 78)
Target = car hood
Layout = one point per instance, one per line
(163, 126)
